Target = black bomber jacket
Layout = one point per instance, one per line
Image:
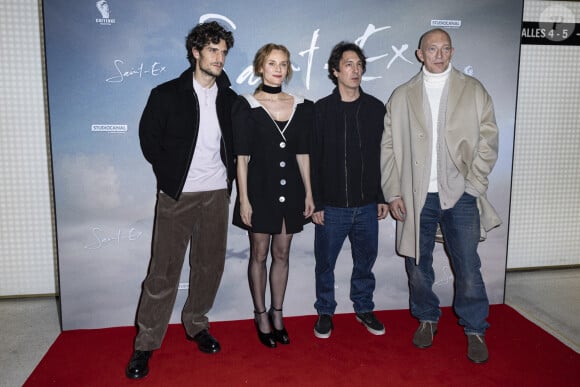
(328, 153)
(169, 126)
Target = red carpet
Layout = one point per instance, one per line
(520, 354)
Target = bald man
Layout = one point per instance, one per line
(439, 145)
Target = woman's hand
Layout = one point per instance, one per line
(308, 206)
(246, 213)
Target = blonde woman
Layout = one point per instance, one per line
(271, 141)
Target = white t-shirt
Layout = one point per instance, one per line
(207, 172)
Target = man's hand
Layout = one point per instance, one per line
(398, 210)
(318, 218)
(382, 211)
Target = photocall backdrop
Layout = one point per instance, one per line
(104, 57)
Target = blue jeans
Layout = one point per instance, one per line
(461, 232)
(360, 224)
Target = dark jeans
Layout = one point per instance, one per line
(197, 219)
(361, 226)
(461, 231)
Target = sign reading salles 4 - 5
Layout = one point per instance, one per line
(556, 26)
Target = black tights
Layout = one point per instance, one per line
(279, 245)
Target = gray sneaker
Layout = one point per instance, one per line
(423, 337)
(476, 349)
(370, 321)
(323, 326)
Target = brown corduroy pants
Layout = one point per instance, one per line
(197, 219)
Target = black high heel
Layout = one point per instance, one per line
(265, 338)
(280, 335)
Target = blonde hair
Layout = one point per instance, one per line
(262, 55)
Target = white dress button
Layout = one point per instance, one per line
(283, 182)
(281, 199)
(282, 145)
(282, 164)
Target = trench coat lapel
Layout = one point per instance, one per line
(456, 87)
(415, 97)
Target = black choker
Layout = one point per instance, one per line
(270, 89)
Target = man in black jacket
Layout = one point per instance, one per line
(346, 185)
(186, 135)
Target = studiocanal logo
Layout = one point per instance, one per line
(446, 23)
(109, 128)
(105, 19)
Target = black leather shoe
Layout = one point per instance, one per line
(265, 338)
(138, 365)
(280, 335)
(206, 342)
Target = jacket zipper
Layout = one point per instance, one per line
(362, 161)
(345, 163)
(223, 141)
(193, 144)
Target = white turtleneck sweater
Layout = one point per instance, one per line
(434, 84)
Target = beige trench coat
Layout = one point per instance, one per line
(471, 135)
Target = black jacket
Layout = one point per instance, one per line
(169, 126)
(328, 153)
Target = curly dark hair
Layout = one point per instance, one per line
(205, 33)
(336, 56)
